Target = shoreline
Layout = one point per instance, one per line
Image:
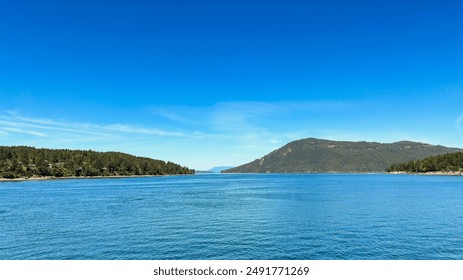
(433, 173)
(22, 179)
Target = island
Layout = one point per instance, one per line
(312, 155)
(22, 162)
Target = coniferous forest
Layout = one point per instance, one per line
(28, 162)
(451, 162)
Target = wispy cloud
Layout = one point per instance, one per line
(188, 115)
(16, 122)
(12, 124)
(27, 132)
(459, 122)
(253, 124)
(244, 114)
(139, 130)
(241, 115)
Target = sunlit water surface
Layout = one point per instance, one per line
(234, 217)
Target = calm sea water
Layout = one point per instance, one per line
(234, 217)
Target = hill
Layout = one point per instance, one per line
(27, 162)
(446, 163)
(323, 156)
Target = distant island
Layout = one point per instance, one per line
(451, 163)
(29, 162)
(313, 155)
(219, 169)
(216, 169)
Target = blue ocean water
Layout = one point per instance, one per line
(234, 216)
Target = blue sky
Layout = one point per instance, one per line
(208, 83)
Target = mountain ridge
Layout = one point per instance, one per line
(312, 155)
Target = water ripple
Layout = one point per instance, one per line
(234, 217)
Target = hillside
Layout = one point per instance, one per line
(27, 162)
(322, 156)
(452, 162)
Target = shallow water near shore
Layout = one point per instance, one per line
(234, 216)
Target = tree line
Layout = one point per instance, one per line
(451, 162)
(26, 162)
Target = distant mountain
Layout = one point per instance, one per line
(323, 156)
(29, 162)
(219, 169)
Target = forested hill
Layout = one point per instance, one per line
(323, 156)
(452, 162)
(26, 162)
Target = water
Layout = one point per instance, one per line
(234, 217)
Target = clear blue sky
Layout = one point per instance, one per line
(207, 83)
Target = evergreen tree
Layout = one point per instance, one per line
(451, 162)
(23, 161)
